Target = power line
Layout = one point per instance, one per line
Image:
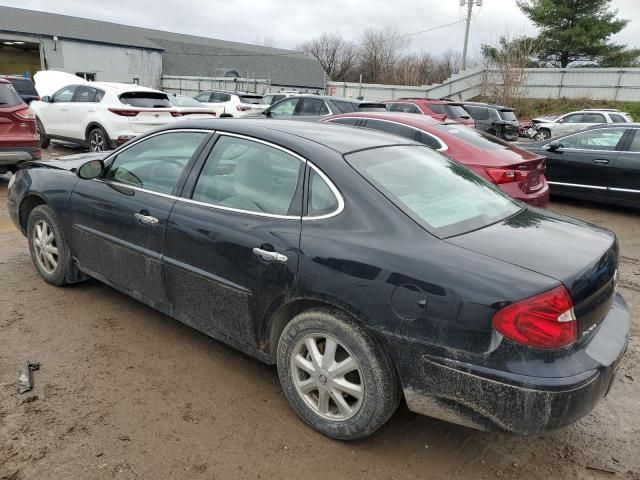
(415, 8)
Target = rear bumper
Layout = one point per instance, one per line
(13, 156)
(539, 198)
(488, 399)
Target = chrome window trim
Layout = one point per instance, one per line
(444, 147)
(594, 187)
(335, 192)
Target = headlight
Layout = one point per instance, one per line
(12, 180)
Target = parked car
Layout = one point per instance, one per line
(231, 104)
(366, 266)
(271, 98)
(543, 128)
(189, 107)
(24, 87)
(99, 115)
(19, 141)
(514, 170)
(601, 163)
(440, 109)
(312, 107)
(494, 119)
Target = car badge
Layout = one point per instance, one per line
(156, 115)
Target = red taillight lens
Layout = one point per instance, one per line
(506, 175)
(123, 112)
(37, 154)
(544, 321)
(26, 114)
(242, 108)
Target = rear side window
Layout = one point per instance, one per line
(156, 163)
(430, 141)
(322, 201)
(345, 107)
(478, 113)
(635, 144)
(241, 174)
(443, 196)
(439, 109)
(313, 107)
(145, 99)
(23, 86)
(88, 95)
(251, 99)
(203, 97)
(615, 118)
(8, 96)
(404, 108)
(345, 121)
(219, 97)
(393, 128)
(575, 118)
(594, 118)
(508, 115)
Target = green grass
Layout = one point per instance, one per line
(527, 108)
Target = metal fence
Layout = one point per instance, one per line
(594, 83)
(191, 86)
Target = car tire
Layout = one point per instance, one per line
(98, 140)
(351, 393)
(57, 267)
(45, 141)
(542, 135)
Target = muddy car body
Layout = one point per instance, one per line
(506, 320)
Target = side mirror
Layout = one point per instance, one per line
(266, 112)
(91, 169)
(46, 99)
(554, 146)
(561, 120)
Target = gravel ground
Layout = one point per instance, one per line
(127, 393)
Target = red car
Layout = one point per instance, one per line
(514, 170)
(19, 139)
(438, 109)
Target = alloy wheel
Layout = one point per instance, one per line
(540, 136)
(45, 246)
(96, 142)
(327, 376)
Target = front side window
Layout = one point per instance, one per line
(64, 94)
(478, 113)
(155, 163)
(313, 107)
(603, 139)
(244, 175)
(574, 118)
(203, 97)
(285, 108)
(443, 196)
(219, 97)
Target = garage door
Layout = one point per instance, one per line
(17, 58)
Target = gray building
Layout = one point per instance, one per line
(102, 51)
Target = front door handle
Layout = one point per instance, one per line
(601, 161)
(270, 256)
(146, 219)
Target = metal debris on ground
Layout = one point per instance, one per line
(25, 381)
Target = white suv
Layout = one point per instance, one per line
(232, 104)
(100, 115)
(544, 128)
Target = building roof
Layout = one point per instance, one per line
(182, 54)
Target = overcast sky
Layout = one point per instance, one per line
(290, 22)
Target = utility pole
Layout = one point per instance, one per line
(469, 4)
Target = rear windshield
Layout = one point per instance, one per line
(251, 99)
(8, 96)
(23, 86)
(145, 99)
(185, 102)
(443, 196)
(508, 115)
(372, 107)
(477, 138)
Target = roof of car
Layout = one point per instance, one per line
(130, 87)
(432, 101)
(340, 138)
(488, 105)
(406, 118)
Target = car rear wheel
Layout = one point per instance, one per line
(98, 140)
(45, 141)
(542, 135)
(48, 247)
(335, 375)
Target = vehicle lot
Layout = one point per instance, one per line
(125, 392)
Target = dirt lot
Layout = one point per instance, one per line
(127, 393)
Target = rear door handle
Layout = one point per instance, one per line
(601, 161)
(270, 256)
(146, 219)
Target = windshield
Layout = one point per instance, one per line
(185, 102)
(251, 99)
(508, 115)
(477, 138)
(443, 196)
(8, 96)
(456, 111)
(145, 99)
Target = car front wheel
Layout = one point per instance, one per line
(542, 135)
(335, 375)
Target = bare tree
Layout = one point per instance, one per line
(265, 41)
(380, 51)
(336, 55)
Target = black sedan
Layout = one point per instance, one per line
(312, 107)
(366, 266)
(601, 163)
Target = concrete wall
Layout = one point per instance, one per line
(109, 63)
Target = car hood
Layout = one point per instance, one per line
(49, 82)
(70, 162)
(543, 120)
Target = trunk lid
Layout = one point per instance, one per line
(581, 256)
(146, 120)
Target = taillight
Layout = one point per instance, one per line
(242, 108)
(123, 112)
(26, 114)
(507, 175)
(544, 321)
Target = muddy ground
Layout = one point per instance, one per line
(124, 392)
